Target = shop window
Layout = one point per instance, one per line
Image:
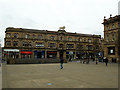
(51, 45)
(15, 43)
(15, 35)
(51, 54)
(8, 43)
(8, 35)
(69, 46)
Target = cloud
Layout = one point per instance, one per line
(83, 16)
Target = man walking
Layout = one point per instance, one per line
(106, 61)
(61, 62)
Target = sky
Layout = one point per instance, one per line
(80, 16)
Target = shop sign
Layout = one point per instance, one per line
(26, 52)
(12, 50)
(49, 52)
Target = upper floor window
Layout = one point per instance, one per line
(26, 44)
(52, 45)
(80, 39)
(8, 35)
(27, 36)
(15, 43)
(70, 45)
(89, 47)
(69, 39)
(61, 38)
(119, 24)
(8, 43)
(113, 36)
(39, 44)
(113, 26)
(52, 37)
(15, 35)
(33, 35)
(89, 40)
(107, 37)
(60, 45)
(107, 27)
(40, 37)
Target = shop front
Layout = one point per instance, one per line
(11, 53)
(51, 54)
(70, 55)
(26, 54)
(39, 54)
(80, 55)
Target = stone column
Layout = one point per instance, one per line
(58, 54)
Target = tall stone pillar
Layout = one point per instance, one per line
(45, 53)
(58, 54)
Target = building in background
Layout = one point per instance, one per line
(112, 38)
(119, 8)
(29, 43)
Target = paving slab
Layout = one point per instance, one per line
(73, 75)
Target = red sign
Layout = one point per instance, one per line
(51, 52)
(26, 52)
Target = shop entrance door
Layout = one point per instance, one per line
(61, 54)
(39, 55)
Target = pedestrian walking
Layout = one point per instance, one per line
(61, 62)
(106, 61)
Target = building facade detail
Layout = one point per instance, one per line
(28, 43)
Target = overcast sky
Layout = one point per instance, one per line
(81, 16)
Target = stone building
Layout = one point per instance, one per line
(30, 43)
(112, 38)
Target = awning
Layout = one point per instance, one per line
(11, 50)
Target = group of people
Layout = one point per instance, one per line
(105, 59)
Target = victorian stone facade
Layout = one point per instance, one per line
(28, 43)
(112, 38)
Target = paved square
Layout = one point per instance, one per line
(73, 75)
